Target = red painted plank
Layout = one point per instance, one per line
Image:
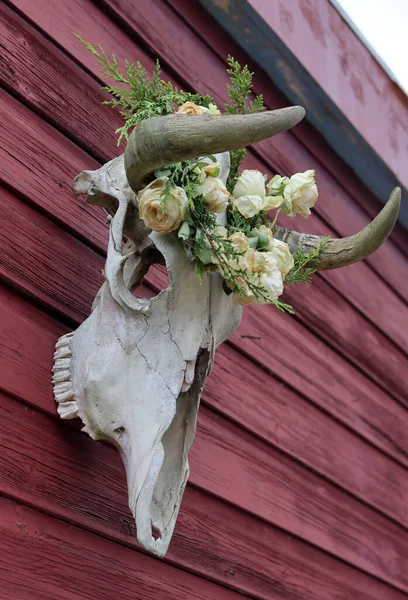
(76, 564)
(195, 61)
(273, 412)
(64, 473)
(63, 562)
(40, 259)
(38, 166)
(65, 275)
(57, 85)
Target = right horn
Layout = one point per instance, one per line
(346, 251)
(160, 141)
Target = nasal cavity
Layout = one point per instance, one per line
(156, 534)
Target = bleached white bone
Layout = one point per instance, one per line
(134, 370)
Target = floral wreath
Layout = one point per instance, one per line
(188, 197)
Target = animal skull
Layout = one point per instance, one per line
(134, 370)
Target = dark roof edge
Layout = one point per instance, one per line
(261, 43)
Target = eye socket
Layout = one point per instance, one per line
(119, 430)
(158, 277)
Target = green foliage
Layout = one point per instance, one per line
(239, 90)
(236, 157)
(140, 96)
(236, 222)
(305, 265)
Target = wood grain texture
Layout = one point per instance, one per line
(61, 562)
(64, 473)
(225, 460)
(74, 563)
(327, 318)
(59, 271)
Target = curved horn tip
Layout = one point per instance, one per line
(298, 113)
(387, 218)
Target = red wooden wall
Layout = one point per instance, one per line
(298, 486)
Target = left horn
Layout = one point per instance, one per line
(160, 141)
(346, 251)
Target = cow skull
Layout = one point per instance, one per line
(134, 370)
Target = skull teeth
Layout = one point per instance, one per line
(63, 393)
(68, 410)
(60, 375)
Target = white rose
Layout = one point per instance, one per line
(216, 195)
(213, 109)
(221, 232)
(239, 241)
(256, 260)
(211, 169)
(270, 202)
(250, 183)
(151, 203)
(300, 194)
(271, 278)
(249, 206)
(276, 185)
(280, 250)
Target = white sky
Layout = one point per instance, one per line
(384, 24)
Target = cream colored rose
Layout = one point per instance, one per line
(245, 296)
(280, 250)
(239, 240)
(271, 278)
(221, 232)
(266, 274)
(250, 194)
(216, 195)
(190, 108)
(276, 185)
(248, 206)
(210, 169)
(300, 194)
(256, 260)
(270, 202)
(150, 206)
(250, 183)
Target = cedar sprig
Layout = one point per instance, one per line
(239, 91)
(305, 265)
(140, 96)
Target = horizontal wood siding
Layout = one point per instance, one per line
(298, 486)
